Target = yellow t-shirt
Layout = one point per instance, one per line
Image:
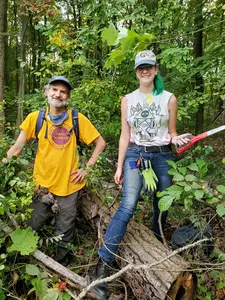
(57, 154)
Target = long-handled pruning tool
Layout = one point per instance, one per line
(199, 137)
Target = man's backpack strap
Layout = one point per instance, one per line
(76, 126)
(40, 121)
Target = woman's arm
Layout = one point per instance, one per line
(124, 140)
(172, 108)
(172, 128)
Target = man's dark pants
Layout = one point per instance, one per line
(64, 220)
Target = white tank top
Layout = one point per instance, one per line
(147, 116)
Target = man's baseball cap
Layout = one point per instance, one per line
(146, 57)
(61, 78)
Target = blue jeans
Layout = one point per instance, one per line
(132, 185)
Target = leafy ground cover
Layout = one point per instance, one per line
(196, 199)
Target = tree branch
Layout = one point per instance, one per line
(131, 266)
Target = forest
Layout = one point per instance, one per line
(93, 44)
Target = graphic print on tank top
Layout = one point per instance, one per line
(146, 121)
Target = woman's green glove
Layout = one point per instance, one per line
(150, 177)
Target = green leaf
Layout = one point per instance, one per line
(110, 35)
(199, 194)
(208, 296)
(24, 161)
(165, 203)
(172, 172)
(221, 189)
(116, 56)
(24, 241)
(178, 177)
(66, 296)
(161, 194)
(175, 188)
(190, 178)
(2, 295)
(212, 200)
(220, 285)
(174, 191)
(32, 270)
(220, 209)
(22, 64)
(12, 182)
(193, 167)
(37, 73)
(172, 164)
(187, 188)
(188, 203)
(201, 163)
(183, 170)
(223, 160)
(40, 287)
(130, 41)
(51, 295)
(196, 185)
(214, 274)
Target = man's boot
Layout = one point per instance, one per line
(101, 270)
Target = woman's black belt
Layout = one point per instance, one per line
(164, 148)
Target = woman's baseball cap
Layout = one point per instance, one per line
(146, 57)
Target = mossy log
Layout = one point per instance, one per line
(167, 280)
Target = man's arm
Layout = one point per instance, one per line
(80, 174)
(100, 145)
(17, 148)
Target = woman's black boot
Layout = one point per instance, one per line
(101, 270)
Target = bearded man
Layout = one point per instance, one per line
(56, 173)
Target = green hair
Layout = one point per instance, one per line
(158, 84)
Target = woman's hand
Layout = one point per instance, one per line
(118, 176)
(181, 139)
(80, 174)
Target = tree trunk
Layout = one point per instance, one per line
(34, 83)
(167, 280)
(22, 69)
(3, 39)
(198, 52)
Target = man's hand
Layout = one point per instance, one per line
(80, 174)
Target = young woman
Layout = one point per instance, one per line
(148, 117)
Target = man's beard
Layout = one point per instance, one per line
(56, 103)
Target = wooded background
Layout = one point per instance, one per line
(42, 38)
(93, 44)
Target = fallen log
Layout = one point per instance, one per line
(169, 279)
